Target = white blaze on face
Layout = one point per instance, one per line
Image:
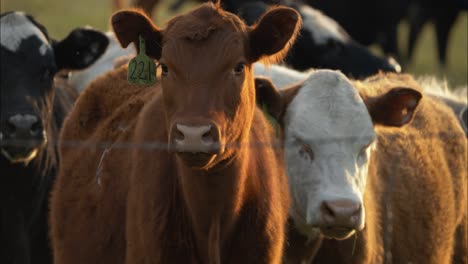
(328, 133)
(321, 26)
(16, 27)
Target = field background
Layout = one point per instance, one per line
(60, 16)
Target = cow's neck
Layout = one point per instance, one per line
(214, 199)
(379, 198)
(370, 243)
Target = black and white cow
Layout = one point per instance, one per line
(323, 43)
(367, 21)
(31, 109)
(112, 58)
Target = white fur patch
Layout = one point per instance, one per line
(321, 26)
(81, 79)
(43, 49)
(16, 27)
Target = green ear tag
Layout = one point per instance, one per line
(142, 69)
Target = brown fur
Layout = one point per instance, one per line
(419, 170)
(234, 210)
(106, 108)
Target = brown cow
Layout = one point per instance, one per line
(178, 181)
(412, 179)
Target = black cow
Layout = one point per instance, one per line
(323, 43)
(31, 111)
(367, 21)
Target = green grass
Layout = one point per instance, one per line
(60, 16)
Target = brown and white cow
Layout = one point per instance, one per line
(375, 160)
(185, 177)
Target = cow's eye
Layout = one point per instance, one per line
(306, 151)
(239, 69)
(164, 69)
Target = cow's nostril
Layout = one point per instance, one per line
(327, 212)
(36, 128)
(10, 128)
(207, 136)
(178, 135)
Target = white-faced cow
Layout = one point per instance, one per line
(31, 110)
(375, 160)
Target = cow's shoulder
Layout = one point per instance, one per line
(107, 99)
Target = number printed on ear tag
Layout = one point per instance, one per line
(142, 69)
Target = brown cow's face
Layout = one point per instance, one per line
(206, 61)
(208, 95)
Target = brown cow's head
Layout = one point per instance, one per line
(206, 61)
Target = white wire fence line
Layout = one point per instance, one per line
(165, 145)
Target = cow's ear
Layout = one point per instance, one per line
(81, 48)
(395, 108)
(128, 25)
(271, 38)
(268, 97)
(273, 100)
(287, 95)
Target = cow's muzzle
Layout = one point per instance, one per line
(21, 137)
(196, 144)
(341, 218)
